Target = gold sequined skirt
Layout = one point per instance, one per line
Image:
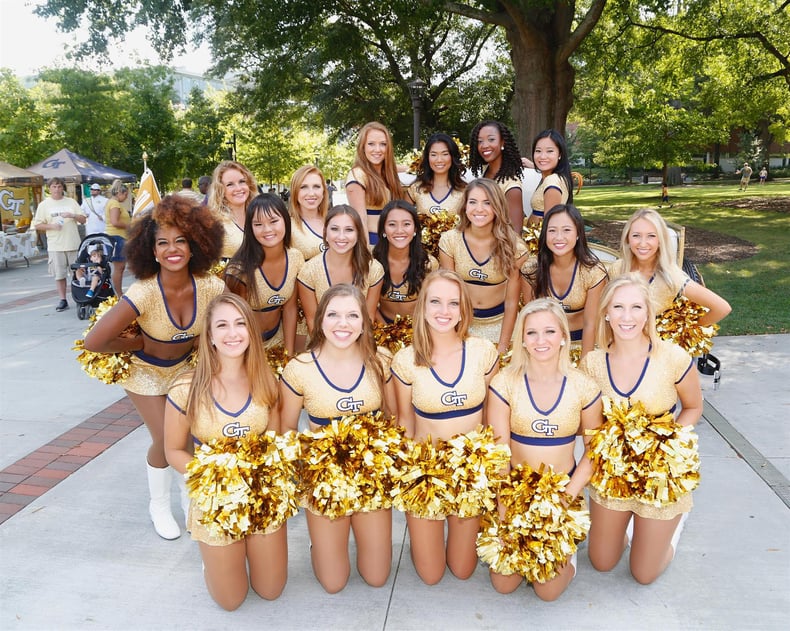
(153, 379)
(487, 328)
(647, 511)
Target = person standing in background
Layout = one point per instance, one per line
(93, 209)
(118, 220)
(746, 174)
(203, 184)
(58, 216)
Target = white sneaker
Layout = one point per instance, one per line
(676, 534)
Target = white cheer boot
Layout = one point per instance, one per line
(159, 481)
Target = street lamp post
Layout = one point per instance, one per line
(231, 145)
(417, 91)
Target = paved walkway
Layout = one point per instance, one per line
(77, 549)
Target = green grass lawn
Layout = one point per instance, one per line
(758, 288)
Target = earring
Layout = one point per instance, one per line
(156, 259)
(606, 318)
(502, 148)
(562, 342)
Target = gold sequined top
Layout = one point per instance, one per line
(315, 276)
(662, 294)
(434, 398)
(664, 368)
(453, 244)
(357, 176)
(508, 183)
(147, 299)
(427, 204)
(217, 422)
(557, 425)
(270, 296)
(550, 181)
(583, 279)
(303, 238)
(397, 293)
(322, 399)
(234, 235)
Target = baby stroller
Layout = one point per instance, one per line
(80, 287)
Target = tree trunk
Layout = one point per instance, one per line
(543, 88)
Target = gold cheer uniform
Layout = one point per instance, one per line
(358, 176)
(558, 425)
(396, 293)
(573, 300)
(509, 183)
(666, 366)
(553, 180)
(149, 375)
(486, 323)
(270, 296)
(661, 293)
(234, 235)
(435, 399)
(323, 400)
(210, 424)
(303, 238)
(427, 204)
(315, 276)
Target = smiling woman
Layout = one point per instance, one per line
(170, 251)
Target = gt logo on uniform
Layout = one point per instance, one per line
(349, 404)
(543, 426)
(478, 274)
(276, 299)
(235, 430)
(453, 398)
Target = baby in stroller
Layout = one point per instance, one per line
(95, 270)
(91, 283)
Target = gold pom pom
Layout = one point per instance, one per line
(394, 335)
(218, 269)
(277, 357)
(433, 226)
(680, 324)
(348, 466)
(422, 487)
(244, 485)
(108, 368)
(475, 460)
(640, 456)
(453, 477)
(530, 234)
(541, 528)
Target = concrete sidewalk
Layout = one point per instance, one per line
(83, 553)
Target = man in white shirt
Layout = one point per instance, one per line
(93, 208)
(58, 216)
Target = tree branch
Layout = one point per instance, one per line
(499, 19)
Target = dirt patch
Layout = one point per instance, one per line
(773, 204)
(702, 246)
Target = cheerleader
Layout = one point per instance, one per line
(170, 251)
(567, 271)
(645, 248)
(373, 179)
(307, 206)
(627, 340)
(440, 385)
(232, 188)
(403, 258)
(264, 270)
(439, 185)
(493, 154)
(487, 254)
(550, 155)
(232, 391)
(537, 406)
(346, 259)
(341, 373)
